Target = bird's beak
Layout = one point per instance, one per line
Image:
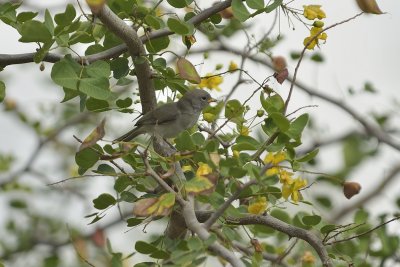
(212, 100)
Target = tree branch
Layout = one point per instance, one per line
(214, 217)
(290, 230)
(194, 225)
(136, 49)
(12, 59)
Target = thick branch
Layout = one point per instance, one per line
(290, 230)
(194, 225)
(11, 59)
(136, 49)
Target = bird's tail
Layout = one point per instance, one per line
(128, 136)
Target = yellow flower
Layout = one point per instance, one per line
(308, 257)
(211, 81)
(313, 32)
(285, 177)
(258, 207)
(274, 158)
(203, 169)
(312, 12)
(232, 66)
(272, 171)
(293, 190)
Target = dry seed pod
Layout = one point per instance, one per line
(351, 189)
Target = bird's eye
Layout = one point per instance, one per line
(204, 98)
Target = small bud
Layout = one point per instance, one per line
(318, 24)
(42, 66)
(260, 113)
(219, 66)
(351, 189)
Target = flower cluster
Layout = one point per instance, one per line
(211, 81)
(258, 206)
(290, 186)
(313, 12)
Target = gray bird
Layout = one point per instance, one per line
(170, 119)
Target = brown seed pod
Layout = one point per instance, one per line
(351, 189)
(369, 6)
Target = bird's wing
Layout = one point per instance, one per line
(159, 115)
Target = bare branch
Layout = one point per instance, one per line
(290, 230)
(214, 217)
(363, 233)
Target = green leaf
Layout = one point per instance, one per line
(134, 221)
(179, 3)
(48, 21)
(145, 248)
(239, 10)
(124, 103)
(309, 156)
(2, 91)
(180, 27)
(233, 109)
(63, 74)
(154, 22)
(119, 67)
(255, 4)
(95, 87)
(327, 228)
(187, 71)
(104, 201)
(96, 105)
(127, 196)
(185, 142)
(245, 143)
(156, 45)
(98, 68)
(34, 31)
(69, 94)
(160, 254)
(273, 103)
(67, 17)
(311, 220)
(281, 215)
(105, 169)
(297, 126)
(273, 6)
(24, 16)
(280, 120)
(122, 183)
(87, 157)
